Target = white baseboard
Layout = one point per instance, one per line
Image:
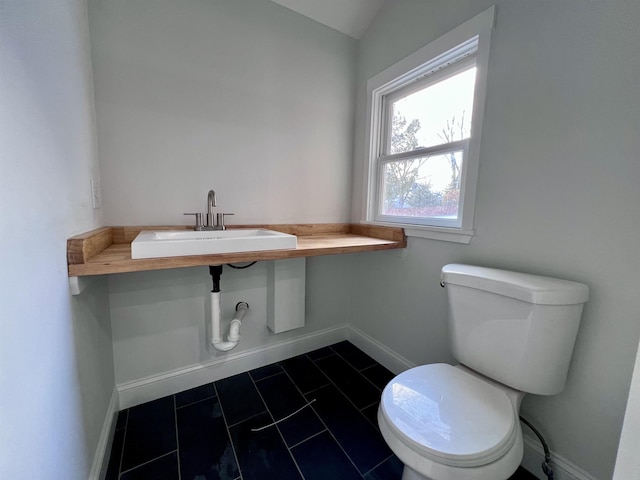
(100, 458)
(157, 386)
(563, 469)
(379, 352)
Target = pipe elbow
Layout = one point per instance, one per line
(224, 346)
(241, 310)
(234, 327)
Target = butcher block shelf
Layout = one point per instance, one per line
(108, 249)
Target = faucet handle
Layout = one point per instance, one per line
(199, 224)
(220, 220)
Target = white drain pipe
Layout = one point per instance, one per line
(234, 328)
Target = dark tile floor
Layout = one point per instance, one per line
(216, 431)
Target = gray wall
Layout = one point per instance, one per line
(557, 195)
(247, 98)
(56, 362)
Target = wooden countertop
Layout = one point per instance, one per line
(108, 249)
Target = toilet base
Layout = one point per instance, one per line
(409, 474)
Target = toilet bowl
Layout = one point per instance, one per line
(513, 333)
(447, 423)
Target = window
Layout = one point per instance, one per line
(425, 119)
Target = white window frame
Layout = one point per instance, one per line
(466, 43)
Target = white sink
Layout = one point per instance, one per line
(178, 243)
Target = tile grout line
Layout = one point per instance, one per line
(152, 460)
(366, 368)
(268, 376)
(372, 469)
(304, 398)
(338, 443)
(332, 352)
(326, 428)
(340, 390)
(309, 437)
(248, 418)
(263, 402)
(359, 370)
(371, 382)
(193, 403)
(368, 405)
(126, 425)
(175, 423)
(356, 407)
(310, 391)
(227, 427)
(319, 369)
(277, 428)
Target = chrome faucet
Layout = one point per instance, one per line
(212, 223)
(211, 202)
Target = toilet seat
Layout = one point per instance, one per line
(449, 416)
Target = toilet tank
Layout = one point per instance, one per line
(516, 328)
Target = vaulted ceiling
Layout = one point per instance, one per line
(351, 17)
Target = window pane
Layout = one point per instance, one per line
(437, 114)
(423, 187)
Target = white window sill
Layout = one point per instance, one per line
(455, 235)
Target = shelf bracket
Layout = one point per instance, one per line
(78, 284)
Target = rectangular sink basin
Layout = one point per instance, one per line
(179, 243)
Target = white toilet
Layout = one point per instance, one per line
(513, 333)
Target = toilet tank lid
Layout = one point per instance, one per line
(522, 286)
